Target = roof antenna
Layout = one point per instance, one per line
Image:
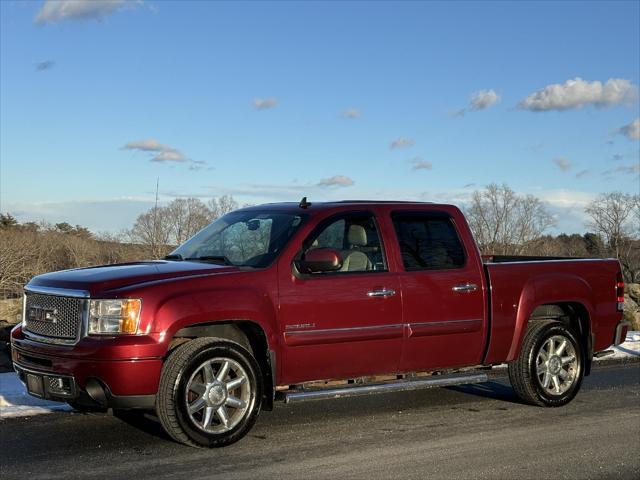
(303, 203)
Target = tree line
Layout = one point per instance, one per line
(503, 222)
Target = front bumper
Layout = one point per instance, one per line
(48, 385)
(90, 377)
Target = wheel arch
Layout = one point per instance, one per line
(246, 333)
(556, 296)
(572, 313)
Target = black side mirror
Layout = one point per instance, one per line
(320, 260)
(253, 225)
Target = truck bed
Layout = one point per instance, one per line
(518, 285)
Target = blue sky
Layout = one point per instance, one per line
(270, 101)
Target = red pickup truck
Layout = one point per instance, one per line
(268, 301)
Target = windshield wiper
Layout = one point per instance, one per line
(174, 256)
(212, 258)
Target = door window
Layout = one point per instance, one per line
(357, 239)
(428, 242)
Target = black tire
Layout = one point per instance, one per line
(524, 374)
(172, 398)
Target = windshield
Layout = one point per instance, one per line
(251, 238)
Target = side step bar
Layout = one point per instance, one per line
(603, 353)
(303, 395)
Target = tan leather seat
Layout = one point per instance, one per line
(354, 260)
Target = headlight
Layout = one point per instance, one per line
(114, 316)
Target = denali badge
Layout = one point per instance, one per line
(300, 326)
(41, 314)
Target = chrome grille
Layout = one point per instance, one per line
(53, 316)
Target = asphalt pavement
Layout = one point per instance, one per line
(476, 431)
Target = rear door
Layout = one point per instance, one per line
(341, 324)
(442, 291)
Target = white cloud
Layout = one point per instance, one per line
(483, 99)
(162, 153)
(264, 103)
(480, 100)
(148, 145)
(169, 156)
(583, 173)
(631, 131)
(578, 93)
(420, 164)
(402, 142)
(336, 181)
(53, 11)
(351, 113)
(567, 207)
(562, 163)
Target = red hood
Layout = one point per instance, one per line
(111, 277)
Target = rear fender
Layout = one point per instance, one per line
(548, 289)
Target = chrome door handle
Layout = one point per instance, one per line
(381, 293)
(465, 287)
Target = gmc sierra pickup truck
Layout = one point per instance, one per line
(306, 301)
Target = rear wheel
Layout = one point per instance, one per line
(210, 393)
(549, 370)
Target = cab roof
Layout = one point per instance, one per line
(322, 206)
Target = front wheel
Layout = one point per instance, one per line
(210, 393)
(549, 370)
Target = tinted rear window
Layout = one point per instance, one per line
(428, 242)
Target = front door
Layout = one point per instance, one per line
(346, 323)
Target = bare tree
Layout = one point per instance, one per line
(504, 222)
(615, 217)
(187, 216)
(162, 227)
(222, 205)
(154, 230)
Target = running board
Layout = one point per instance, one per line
(603, 353)
(303, 395)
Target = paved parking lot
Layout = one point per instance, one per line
(476, 431)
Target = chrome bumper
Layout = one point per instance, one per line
(621, 332)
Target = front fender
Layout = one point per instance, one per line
(220, 304)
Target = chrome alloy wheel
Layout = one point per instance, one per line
(557, 365)
(218, 395)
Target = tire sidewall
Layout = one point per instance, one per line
(240, 355)
(545, 397)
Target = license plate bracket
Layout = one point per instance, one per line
(35, 385)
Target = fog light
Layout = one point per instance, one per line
(61, 386)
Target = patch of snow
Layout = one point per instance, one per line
(16, 402)
(630, 347)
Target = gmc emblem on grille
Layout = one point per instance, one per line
(41, 314)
